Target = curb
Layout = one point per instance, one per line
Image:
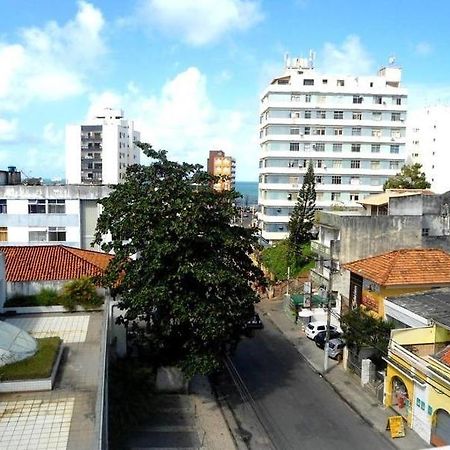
(324, 376)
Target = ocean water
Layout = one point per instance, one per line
(249, 192)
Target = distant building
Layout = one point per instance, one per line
(428, 143)
(352, 128)
(100, 151)
(10, 177)
(220, 164)
(39, 215)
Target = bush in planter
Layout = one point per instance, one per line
(80, 292)
(47, 297)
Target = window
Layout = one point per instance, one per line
(319, 131)
(425, 231)
(307, 147)
(395, 117)
(324, 81)
(307, 98)
(294, 131)
(336, 163)
(378, 100)
(376, 148)
(293, 163)
(295, 97)
(294, 146)
(354, 197)
(308, 82)
(319, 179)
(335, 196)
(355, 164)
(307, 114)
(356, 147)
(354, 180)
(395, 133)
(3, 234)
(295, 115)
(319, 147)
(394, 165)
(376, 132)
(319, 195)
(337, 147)
(357, 116)
(340, 83)
(395, 148)
(321, 114)
(338, 131)
(57, 234)
(318, 163)
(335, 179)
(36, 206)
(338, 114)
(357, 99)
(3, 208)
(307, 130)
(397, 100)
(356, 131)
(56, 206)
(374, 165)
(37, 236)
(376, 116)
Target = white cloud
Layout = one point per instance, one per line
(199, 22)
(51, 63)
(349, 58)
(423, 48)
(8, 130)
(183, 120)
(420, 95)
(53, 135)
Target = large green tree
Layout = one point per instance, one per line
(183, 272)
(302, 217)
(409, 177)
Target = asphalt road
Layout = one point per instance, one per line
(296, 406)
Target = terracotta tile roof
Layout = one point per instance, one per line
(425, 266)
(444, 356)
(51, 262)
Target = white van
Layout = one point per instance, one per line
(313, 328)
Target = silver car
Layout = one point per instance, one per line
(336, 348)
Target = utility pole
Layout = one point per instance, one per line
(329, 299)
(288, 276)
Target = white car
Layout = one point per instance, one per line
(313, 328)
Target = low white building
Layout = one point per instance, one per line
(38, 215)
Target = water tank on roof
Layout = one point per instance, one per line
(15, 344)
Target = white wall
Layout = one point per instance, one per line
(73, 154)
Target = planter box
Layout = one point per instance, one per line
(43, 309)
(38, 384)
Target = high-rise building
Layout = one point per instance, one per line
(428, 144)
(221, 165)
(351, 128)
(99, 152)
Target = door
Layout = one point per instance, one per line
(440, 433)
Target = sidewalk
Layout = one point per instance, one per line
(344, 383)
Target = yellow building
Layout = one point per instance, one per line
(394, 273)
(220, 165)
(417, 383)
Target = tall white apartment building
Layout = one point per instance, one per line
(100, 152)
(352, 129)
(428, 143)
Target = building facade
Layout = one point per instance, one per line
(39, 215)
(99, 152)
(219, 165)
(351, 128)
(428, 144)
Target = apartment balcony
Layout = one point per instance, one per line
(324, 250)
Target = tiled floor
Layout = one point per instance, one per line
(35, 424)
(70, 328)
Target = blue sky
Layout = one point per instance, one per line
(190, 72)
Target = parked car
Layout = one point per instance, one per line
(336, 348)
(255, 323)
(316, 327)
(321, 336)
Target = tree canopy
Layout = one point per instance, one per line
(183, 272)
(409, 177)
(302, 217)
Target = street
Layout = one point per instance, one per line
(297, 408)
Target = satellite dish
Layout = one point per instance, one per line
(391, 60)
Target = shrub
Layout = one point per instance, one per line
(18, 300)
(80, 292)
(47, 297)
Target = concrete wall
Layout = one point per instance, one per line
(31, 287)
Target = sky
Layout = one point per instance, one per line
(190, 72)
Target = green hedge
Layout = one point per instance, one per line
(38, 366)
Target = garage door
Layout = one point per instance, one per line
(440, 434)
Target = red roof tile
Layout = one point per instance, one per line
(52, 262)
(444, 356)
(425, 266)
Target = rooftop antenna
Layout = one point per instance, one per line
(391, 60)
(312, 57)
(286, 60)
